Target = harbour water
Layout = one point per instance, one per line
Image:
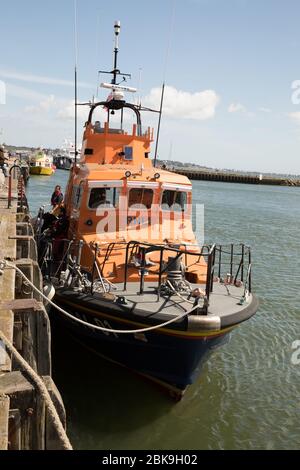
(249, 391)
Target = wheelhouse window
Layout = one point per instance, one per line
(173, 200)
(140, 196)
(104, 197)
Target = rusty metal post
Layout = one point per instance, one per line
(9, 192)
(10, 184)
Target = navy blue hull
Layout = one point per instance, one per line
(174, 358)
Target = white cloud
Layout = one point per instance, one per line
(265, 110)
(182, 104)
(236, 107)
(295, 117)
(67, 111)
(45, 105)
(24, 93)
(40, 79)
(2, 92)
(54, 107)
(57, 108)
(240, 108)
(48, 103)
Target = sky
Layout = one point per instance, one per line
(231, 68)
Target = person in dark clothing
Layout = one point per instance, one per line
(57, 197)
(61, 225)
(59, 233)
(3, 162)
(48, 221)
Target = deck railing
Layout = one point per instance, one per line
(226, 264)
(229, 262)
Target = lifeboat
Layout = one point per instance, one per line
(131, 281)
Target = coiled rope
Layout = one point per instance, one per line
(42, 390)
(5, 264)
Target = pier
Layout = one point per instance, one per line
(32, 413)
(232, 177)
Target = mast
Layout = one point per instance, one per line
(159, 122)
(75, 145)
(113, 85)
(75, 78)
(115, 71)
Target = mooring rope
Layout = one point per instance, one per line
(42, 390)
(6, 264)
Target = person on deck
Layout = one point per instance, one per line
(56, 198)
(61, 226)
(3, 162)
(59, 232)
(2, 156)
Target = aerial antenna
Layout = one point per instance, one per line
(170, 151)
(139, 102)
(116, 89)
(97, 89)
(164, 82)
(75, 74)
(116, 50)
(159, 122)
(116, 72)
(97, 50)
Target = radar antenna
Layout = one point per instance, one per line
(116, 72)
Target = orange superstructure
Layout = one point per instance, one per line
(106, 146)
(141, 203)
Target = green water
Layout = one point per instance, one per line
(249, 393)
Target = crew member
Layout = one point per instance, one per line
(59, 232)
(56, 199)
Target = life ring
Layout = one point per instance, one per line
(47, 160)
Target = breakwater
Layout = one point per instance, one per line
(224, 176)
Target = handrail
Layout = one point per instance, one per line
(212, 263)
(210, 271)
(162, 269)
(21, 191)
(117, 105)
(230, 265)
(248, 279)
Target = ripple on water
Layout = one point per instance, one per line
(248, 394)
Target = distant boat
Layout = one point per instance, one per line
(41, 164)
(66, 156)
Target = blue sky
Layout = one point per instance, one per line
(229, 74)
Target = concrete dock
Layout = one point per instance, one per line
(25, 421)
(228, 177)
